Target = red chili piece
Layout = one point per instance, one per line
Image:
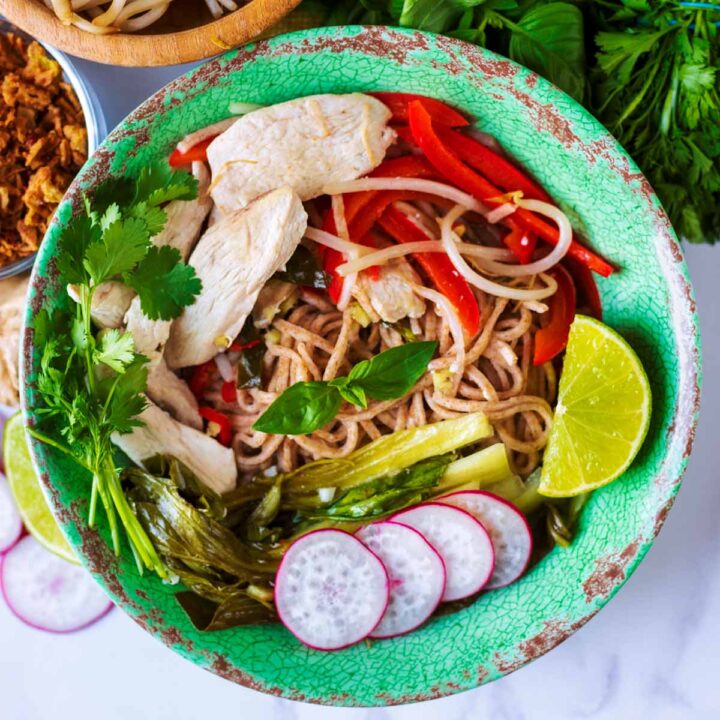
(196, 152)
(212, 415)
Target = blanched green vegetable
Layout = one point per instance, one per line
(386, 455)
(475, 471)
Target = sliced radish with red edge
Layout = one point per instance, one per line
(10, 523)
(49, 593)
(416, 571)
(463, 544)
(330, 590)
(509, 531)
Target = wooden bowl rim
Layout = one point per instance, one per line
(133, 50)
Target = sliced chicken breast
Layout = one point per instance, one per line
(149, 335)
(185, 218)
(304, 143)
(234, 259)
(111, 301)
(161, 435)
(391, 295)
(172, 394)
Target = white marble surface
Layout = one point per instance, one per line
(653, 652)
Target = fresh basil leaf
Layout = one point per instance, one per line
(550, 40)
(301, 409)
(392, 373)
(354, 395)
(303, 269)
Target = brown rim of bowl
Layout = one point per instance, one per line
(130, 50)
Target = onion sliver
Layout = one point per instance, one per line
(224, 367)
(474, 278)
(327, 239)
(501, 212)
(414, 184)
(553, 257)
(204, 133)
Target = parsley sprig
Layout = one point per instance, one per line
(91, 383)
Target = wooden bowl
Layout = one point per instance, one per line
(185, 33)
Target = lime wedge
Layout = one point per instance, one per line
(25, 487)
(602, 413)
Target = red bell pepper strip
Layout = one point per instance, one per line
(201, 379)
(405, 166)
(520, 243)
(441, 113)
(228, 391)
(450, 166)
(496, 168)
(222, 421)
(438, 267)
(551, 340)
(196, 152)
(588, 297)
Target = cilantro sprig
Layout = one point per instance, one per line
(91, 383)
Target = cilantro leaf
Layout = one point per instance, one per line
(120, 248)
(128, 399)
(153, 217)
(116, 350)
(110, 216)
(159, 183)
(80, 234)
(164, 283)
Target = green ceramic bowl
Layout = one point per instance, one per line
(650, 301)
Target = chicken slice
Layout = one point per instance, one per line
(161, 435)
(234, 259)
(172, 394)
(185, 218)
(110, 302)
(149, 335)
(304, 143)
(391, 295)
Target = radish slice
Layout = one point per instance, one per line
(330, 590)
(10, 522)
(510, 534)
(463, 544)
(416, 571)
(47, 592)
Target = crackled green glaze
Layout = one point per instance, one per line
(649, 300)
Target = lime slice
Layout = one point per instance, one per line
(602, 413)
(25, 487)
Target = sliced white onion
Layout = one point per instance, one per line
(333, 241)
(338, 208)
(553, 257)
(382, 256)
(224, 367)
(450, 313)
(500, 212)
(204, 133)
(450, 242)
(414, 184)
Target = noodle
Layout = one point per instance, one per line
(109, 16)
